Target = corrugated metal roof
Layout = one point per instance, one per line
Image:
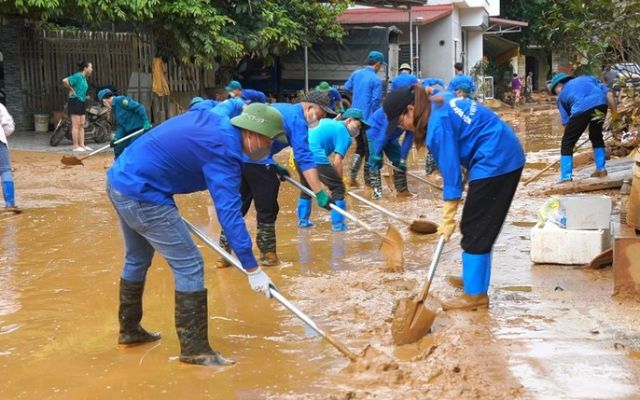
(394, 15)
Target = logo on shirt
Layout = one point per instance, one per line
(466, 118)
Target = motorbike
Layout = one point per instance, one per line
(97, 127)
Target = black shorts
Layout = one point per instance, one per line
(75, 106)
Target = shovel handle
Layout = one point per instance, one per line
(333, 206)
(432, 270)
(428, 182)
(103, 148)
(274, 293)
(379, 208)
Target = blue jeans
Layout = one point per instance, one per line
(5, 163)
(147, 228)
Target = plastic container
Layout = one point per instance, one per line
(41, 122)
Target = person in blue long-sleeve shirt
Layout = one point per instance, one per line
(462, 133)
(335, 98)
(195, 151)
(366, 89)
(579, 101)
(260, 178)
(129, 116)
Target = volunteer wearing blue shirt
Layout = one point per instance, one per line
(460, 79)
(192, 152)
(405, 78)
(260, 179)
(433, 82)
(335, 99)
(463, 133)
(578, 101)
(129, 116)
(331, 138)
(380, 142)
(366, 89)
(198, 103)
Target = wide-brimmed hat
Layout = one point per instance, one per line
(395, 103)
(263, 120)
(321, 99)
(405, 66)
(323, 86)
(557, 79)
(356, 113)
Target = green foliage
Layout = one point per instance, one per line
(532, 12)
(501, 74)
(203, 31)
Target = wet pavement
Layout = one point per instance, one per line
(552, 332)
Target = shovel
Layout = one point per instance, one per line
(392, 245)
(73, 160)
(428, 182)
(275, 294)
(412, 319)
(421, 227)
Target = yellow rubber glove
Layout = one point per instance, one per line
(448, 222)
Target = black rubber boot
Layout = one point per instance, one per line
(130, 315)
(222, 262)
(356, 163)
(367, 175)
(193, 328)
(376, 184)
(400, 181)
(266, 241)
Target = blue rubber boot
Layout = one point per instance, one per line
(337, 220)
(487, 270)
(8, 191)
(566, 168)
(476, 273)
(304, 211)
(600, 157)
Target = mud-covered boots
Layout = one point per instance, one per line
(400, 183)
(130, 315)
(455, 281)
(192, 327)
(266, 241)
(222, 263)
(367, 175)
(337, 219)
(376, 184)
(600, 158)
(356, 163)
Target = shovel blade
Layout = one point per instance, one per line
(423, 227)
(71, 160)
(392, 248)
(411, 321)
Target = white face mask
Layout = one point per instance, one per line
(256, 151)
(353, 128)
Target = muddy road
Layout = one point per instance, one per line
(552, 332)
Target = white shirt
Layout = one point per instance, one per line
(7, 126)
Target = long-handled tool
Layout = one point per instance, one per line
(392, 245)
(421, 227)
(428, 182)
(275, 294)
(412, 319)
(73, 160)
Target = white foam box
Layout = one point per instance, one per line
(554, 245)
(587, 212)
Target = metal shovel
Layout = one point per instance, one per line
(421, 227)
(412, 319)
(274, 294)
(73, 160)
(392, 245)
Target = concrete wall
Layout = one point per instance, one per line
(9, 46)
(475, 49)
(437, 60)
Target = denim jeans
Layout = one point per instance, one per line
(5, 162)
(147, 228)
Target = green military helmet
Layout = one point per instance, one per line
(263, 120)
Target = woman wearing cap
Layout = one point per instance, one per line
(329, 138)
(463, 133)
(195, 151)
(335, 99)
(77, 85)
(579, 100)
(129, 115)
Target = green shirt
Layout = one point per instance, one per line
(80, 85)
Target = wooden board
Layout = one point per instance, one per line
(618, 170)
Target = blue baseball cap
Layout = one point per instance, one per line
(355, 113)
(558, 79)
(376, 56)
(104, 93)
(233, 85)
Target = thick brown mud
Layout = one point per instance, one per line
(550, 332)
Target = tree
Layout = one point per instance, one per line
(203, 31)
(530, 11)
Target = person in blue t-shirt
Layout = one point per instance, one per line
(579, 101)
(335, 99)
(331, 138)
(460, 79)
(462, 133)
(261, 178)
(366, 88)
(129, 116)
(404, 78)
(195, 151)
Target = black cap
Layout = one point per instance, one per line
(395, 103)
(321, 99)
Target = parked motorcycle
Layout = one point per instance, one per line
(98, 125)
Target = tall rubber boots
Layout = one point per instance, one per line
(400, 183)
(8, 191)
(130, 315)
(600, 157)
(367, 175)
(337, 220)
(304, 211)
(192, 328)
(266, 241)
(356, 163)
(376, 184)
(476, 275)
(566, 168)
(222, 263)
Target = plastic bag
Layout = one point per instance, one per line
(552, 211)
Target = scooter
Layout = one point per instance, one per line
(98, 126)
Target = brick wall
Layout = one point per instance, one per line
(10, 48)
